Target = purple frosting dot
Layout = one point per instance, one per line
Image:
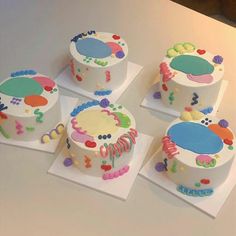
(157, 95)
(223, 123)
(120, 54)
(68, 162)
(160, 167)
(218, 59)
(104, 103)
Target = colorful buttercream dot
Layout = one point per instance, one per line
(218, 59)
(120, 54)
(157, 95)
(68, 162)
(223, 123)
(104, 103)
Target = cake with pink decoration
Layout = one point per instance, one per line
(29, 107)
(101, 139)
(99, 61)
(197, 153)
(190, 77)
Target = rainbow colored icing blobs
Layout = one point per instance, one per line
(190, 77)
(99, 61)
(101, 139)
(197, 153)
(29, 106)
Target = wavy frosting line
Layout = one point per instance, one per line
(84, 106)
(169, 147)
(165, 71)
(72, 67)
(81, 35)
(124, 144)
(194, 192)
(53, 134)
(114, 115)
(75, 127)
(23, 72)
(116, 174)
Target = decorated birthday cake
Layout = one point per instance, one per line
(197, 153)
(101, 139)
(99, 61)
(29, 107)
(190, 77)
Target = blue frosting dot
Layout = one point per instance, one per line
(120, 54)
(68, 162)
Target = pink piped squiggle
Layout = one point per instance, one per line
(164, 70)
(123, 144)
(116, 174)
(19, 128)
(169, 147)
(203, 79)
(75, 127)
(114, 115)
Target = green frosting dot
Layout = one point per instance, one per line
(230, 147)
(197, 185)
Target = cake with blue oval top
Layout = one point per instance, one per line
(197, 153)
(190, 77)
(99, 61)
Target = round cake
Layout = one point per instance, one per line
(29, 107)
(101, 139)
(99, 61)
(190, 77)
(198, 152)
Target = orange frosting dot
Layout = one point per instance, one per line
(35, 101)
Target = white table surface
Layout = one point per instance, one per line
(35, 34)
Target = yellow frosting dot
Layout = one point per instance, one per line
(54, 135)
(60, 128)
(181, 168)
(196, 115)
(46, 138)
(76, 162)
(186, 116)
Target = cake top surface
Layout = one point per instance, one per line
(201, 140)
(95, 125)
(98, 49)
(191, 66)
(26, 93)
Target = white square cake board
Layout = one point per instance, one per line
(67, 105)
(210, 205)
(119, 187)
(64, 80)
(156, 104)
